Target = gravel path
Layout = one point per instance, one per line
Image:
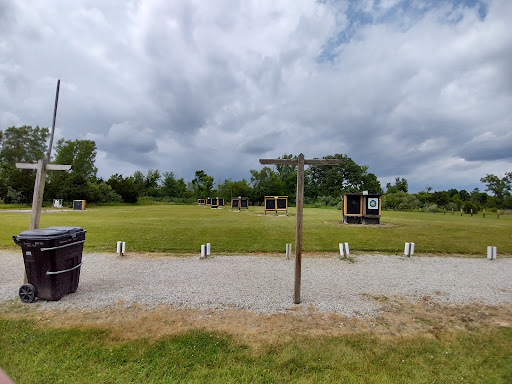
(265, 284)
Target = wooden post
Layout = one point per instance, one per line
(41, 167)
(484, 213)
(298, 232)
(37, 199)
(300, 162)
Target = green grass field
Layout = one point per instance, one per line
(32, 351)
(34, 355)
(182, 229)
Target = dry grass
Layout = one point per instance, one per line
(398, 318)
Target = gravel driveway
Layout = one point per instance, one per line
(265, 284)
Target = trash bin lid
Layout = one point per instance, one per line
(49, 233)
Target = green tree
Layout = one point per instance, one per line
(457, 200)
(266, 183)
(139, 183)
(81, 154)
(183, 191)
(151, 186)
(288, 175)
(371, 183)
(441, 198)
(101, 192)
(23, 144)
(20, 145)
(464, 195)
(79, 183)
(327, 180)
(500, 187)
(125, 187)
(170, 185)
(202, 184)
(229, 189)
(452, 192)
(400, 185)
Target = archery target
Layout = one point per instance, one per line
(373, 203)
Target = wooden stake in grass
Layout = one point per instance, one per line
(299, 162)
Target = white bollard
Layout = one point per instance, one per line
(409, 249)
(288, 251)
(344, 250)
(207, 249)
(123, 248)
(118, 248)
(203, 251)
(491, 253)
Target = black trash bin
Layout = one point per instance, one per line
(53, 257)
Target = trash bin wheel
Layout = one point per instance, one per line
(27, 293)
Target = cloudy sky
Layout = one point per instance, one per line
(420, 89)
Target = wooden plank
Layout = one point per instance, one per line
(323, 162)
(306, 162)
(298, 232)
(57, 167)
(279, 161)
(26, 166)
(49, 167)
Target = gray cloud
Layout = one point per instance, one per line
(416, 92)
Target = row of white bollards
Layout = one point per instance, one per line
(205, 250)
(344, 250)
(408, 250)
(121, 248)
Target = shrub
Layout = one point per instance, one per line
(468, 206)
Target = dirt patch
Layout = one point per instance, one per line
(398, 318)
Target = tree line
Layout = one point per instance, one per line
(397, 196)
(323, 185)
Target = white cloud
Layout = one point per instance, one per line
(184, 85)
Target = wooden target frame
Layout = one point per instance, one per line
(276, 204)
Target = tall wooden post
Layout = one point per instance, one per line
(299, 162)
(41, 167)
(298, 232)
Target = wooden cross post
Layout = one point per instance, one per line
(300, 162)
(41, 167)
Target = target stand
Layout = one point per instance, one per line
(239, 203)
(359, 208)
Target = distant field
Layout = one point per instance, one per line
(182, 229)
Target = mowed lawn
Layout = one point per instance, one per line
(35, 350)
(32, 353)
(181, 229)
